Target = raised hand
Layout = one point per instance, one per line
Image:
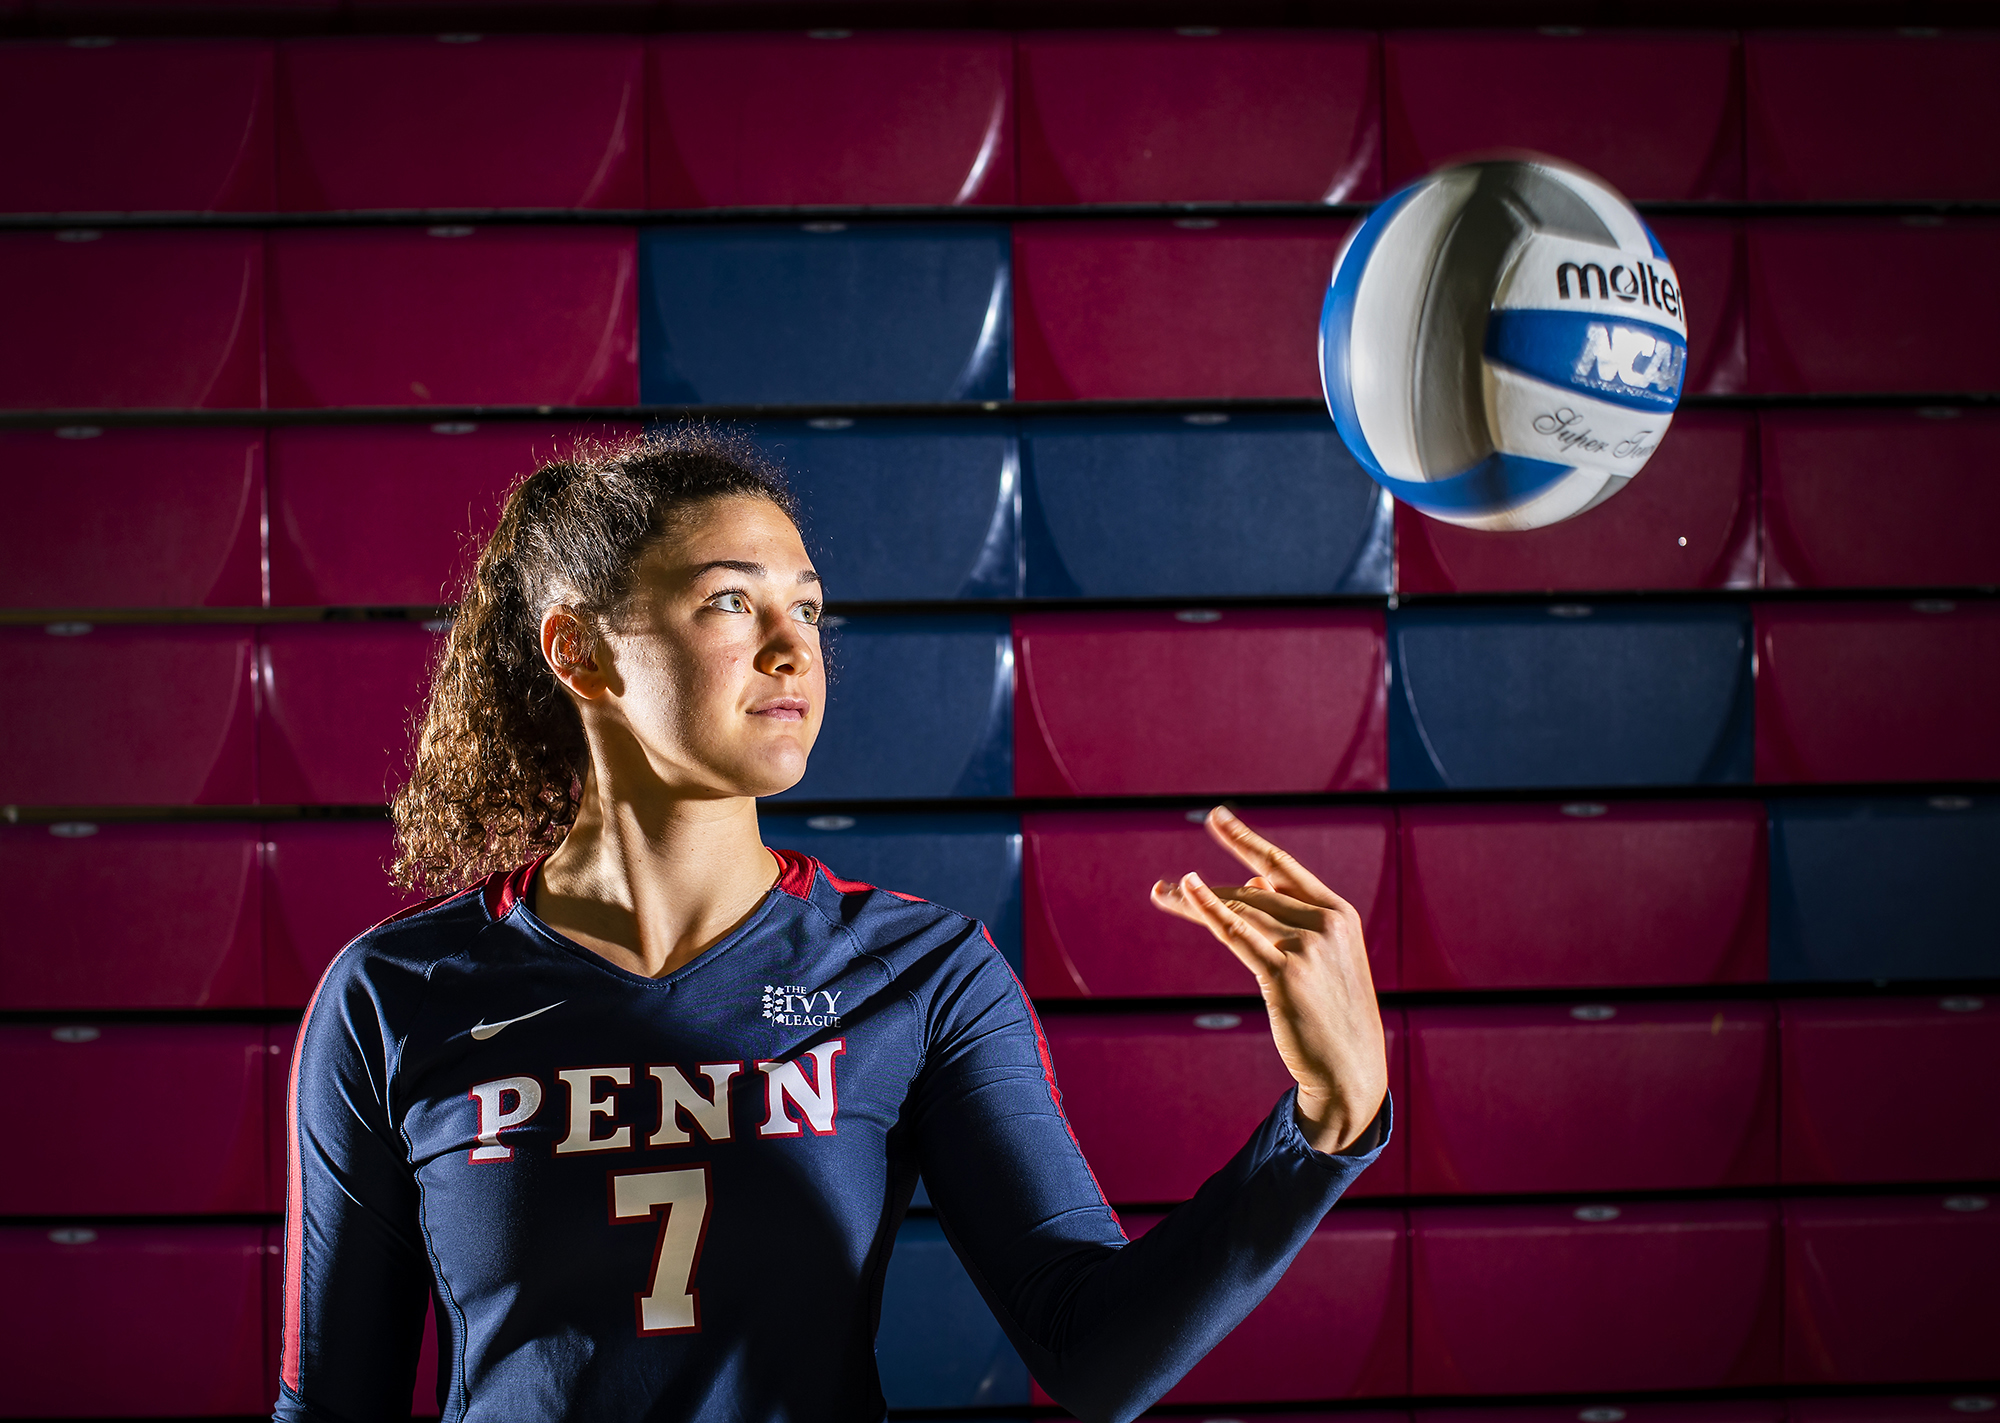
(1303, 943)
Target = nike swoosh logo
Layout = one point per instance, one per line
(483, 1030)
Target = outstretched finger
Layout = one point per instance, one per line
(1172, 897)
(1235, 929)
(1267, 860)
(1282, 909)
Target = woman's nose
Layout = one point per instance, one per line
(786, 650)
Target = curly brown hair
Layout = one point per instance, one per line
(501, 754)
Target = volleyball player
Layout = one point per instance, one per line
(642, 1102)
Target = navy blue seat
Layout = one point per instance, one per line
(971, 863)
(1199, 505)
(1884, 889)
(938, 1345)
(1569, 694)
(906, 509)
(824, 312)
(917, 707)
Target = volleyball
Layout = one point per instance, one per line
(1502, 343)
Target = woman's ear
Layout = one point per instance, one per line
(573, 653)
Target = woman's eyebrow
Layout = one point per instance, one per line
(749, 570)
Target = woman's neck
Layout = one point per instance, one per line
(649, 887)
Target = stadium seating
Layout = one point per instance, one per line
(1594, 1097)
(916, 707)
(1875, 1408)
(1161, 1101)
(326, 881)
(121, 318)
(136, 126)
(1450, 96)
(938, 1345)
(145, 716)
(906, 509)
(184, 1302)
(1883, 888)
(1574, 694)
(1583, 893)
(1726, 1411)
(1708, 257)
(1878, 691)
(1879, 498)
(1924, 1064)
(1891, 1289)
(332, 543)
(824, 312)
(120, 916)
(1924, 314)
(1192, 308)
(1198, 702)
(967, 862)
(1127, 508)
(1158, 117)
(1690, 520)
(1091, 930)
(1594, 1298)
(461, 121)
(192, 1142)
(781, 120)
(1805, 140)
(339, 701)
(453, 315)
(1335, 1326)
(132, 518)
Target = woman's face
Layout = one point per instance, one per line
(714, 673)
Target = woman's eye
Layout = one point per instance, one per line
(809, 613)
(731, 602)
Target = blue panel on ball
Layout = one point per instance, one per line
(784, 314)
(1569, 695)
(1497, 483)
(1231, 506)
(1336, 325)
(938, 1345)
(969, 862)
(906, 509)
(916, 707)
(1884, 889)
(1632, 364)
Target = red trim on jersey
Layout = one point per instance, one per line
(506, 888)
(850, 886)
(429, 904)
(1049, 1077)
(795, 873)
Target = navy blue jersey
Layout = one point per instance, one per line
(675, 1198)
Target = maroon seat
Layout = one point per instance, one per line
(328, 881)
(1708, 257)
(132, 916)
(1732, 1411)
(184, 1303)
(1152, 116)
(1688, 521)
(340, 704)
(1198, 702)
(1161, 1101)
(332, 487)
(136, 126)
(1593, 1299)
(1808, 139)
(118, 318)
(146, 716)
(136, 1118)
(1931, 1065)
(1889, 1289)
(1880, 498)
(1582, 894)
(1892, 276)
(1878, 692)
(454, 315)
(461, 121)
(850, 118)
(1188, 309)
(1091, 932)
(1636, 1097)
(132, 518)
(1455, 95)
(1921, 1408)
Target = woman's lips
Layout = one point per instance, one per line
(782, 709)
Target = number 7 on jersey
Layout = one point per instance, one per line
(671, 1304)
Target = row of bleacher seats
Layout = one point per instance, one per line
(461, 121)
(1195, 701)
(1436, 1300)
(1207, 504)
(1572, 896)
(1189, 308)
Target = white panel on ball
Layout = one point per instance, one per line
(1502, 344)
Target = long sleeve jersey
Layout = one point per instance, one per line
(675, 1198)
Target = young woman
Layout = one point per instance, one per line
(644, 1104)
